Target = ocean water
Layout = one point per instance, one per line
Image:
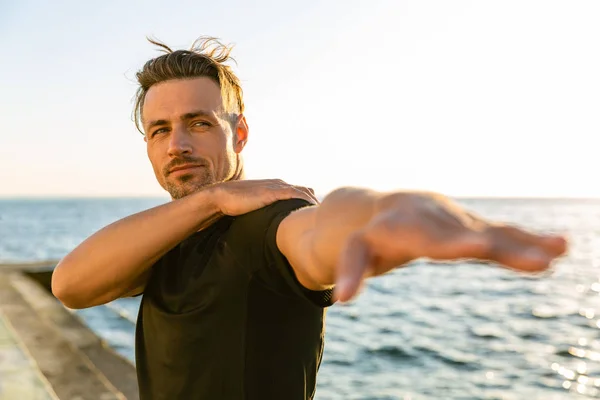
(423, 332)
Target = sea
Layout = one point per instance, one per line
(426, 331)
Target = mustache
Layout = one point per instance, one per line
(176, 162)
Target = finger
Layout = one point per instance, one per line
(519, 249)
(530, 260)
(557, 244)
(525, 259)
(553, 244)
(310, 192)
(286, 191)
(354, 262)
(296, 193)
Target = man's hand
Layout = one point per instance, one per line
(408, 226)
(240, 197)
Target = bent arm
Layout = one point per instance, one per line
(115, 261)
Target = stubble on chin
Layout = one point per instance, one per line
(187, 184)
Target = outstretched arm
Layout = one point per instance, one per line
(356, 233)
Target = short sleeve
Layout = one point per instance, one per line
(278, 266)
(271, 267)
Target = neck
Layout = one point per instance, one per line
(239, 174)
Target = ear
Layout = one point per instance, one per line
(241, 134)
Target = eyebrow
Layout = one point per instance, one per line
(184, 117)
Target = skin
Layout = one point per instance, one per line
(109, 264)
(185, 126)
(354, 234)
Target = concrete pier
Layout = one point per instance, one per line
(46, 351)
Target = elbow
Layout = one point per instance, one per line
(66, 291)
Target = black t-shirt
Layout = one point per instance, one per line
(224, 317)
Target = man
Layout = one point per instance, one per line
(236, 274)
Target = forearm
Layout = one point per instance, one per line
(107, 264)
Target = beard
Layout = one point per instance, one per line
(187, 184)
(183, 185)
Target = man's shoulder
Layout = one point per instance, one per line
(257, 228)
(264, 216)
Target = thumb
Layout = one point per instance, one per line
(354, 261)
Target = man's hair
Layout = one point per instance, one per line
(206, 58)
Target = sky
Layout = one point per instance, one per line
(467, 98)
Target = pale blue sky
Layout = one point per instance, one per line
(473, 98)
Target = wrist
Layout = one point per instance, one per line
(207, 205)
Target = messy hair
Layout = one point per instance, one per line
(205, 58)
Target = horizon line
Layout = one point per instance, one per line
(157, 196)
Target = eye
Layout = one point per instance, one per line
(158, 131)
(201, 124)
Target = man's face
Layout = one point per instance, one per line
(190, 141)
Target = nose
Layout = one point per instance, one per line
(179, 142)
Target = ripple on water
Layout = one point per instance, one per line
(427, 332)
(544, 313)
(450, 357)
(341, 362)
(487, 332)
(394, 353)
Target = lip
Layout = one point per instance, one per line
(184, 168)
